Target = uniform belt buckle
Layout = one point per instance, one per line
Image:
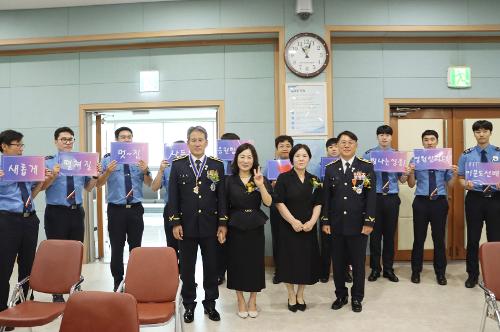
(487, 195)
(385, 194)
(128, 206)
(73, 207)
(26, 214)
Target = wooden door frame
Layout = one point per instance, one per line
(88, 109)
(455, 234)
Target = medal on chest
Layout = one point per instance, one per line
(197, 173)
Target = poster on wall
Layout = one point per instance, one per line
(306, 109)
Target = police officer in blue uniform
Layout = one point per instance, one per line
(482, 202)
(197, 211)
(18, 220)
(387, 212)
(64, 214)
(349, 215)
(124, 195)
(430, 205)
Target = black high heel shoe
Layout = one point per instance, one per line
(301, 306)
(292, 307)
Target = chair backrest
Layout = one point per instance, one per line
(489, 255)
(152, 274)
(57, 266)
(100, 311)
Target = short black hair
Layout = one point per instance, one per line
(349, 134)
(331, 141)
(63, 130)
(245, 146)
(430, 132)
(229, 136)
(296, 148)
(384, 129)
(8, 136)
(281, 139)
(119, 130)
(482, 124)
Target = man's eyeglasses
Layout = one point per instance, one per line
(67, 140)
(19, 145)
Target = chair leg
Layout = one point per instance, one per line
(483, 318)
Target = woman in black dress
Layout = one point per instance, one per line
(298, 199)
(246, 189)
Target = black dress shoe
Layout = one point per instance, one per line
(415, 277)
(9, 328)
(356, 305)
(292, 307)
(324, 279)
(188, 315)
(220, 280)
(441, 279)
(301, 306)
(374, 275)
(391, 276)
(212, 314)
(275, 280)
(57, 298)
(471, 281)
(339, 303)
(348, 276)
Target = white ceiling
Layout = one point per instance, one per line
(32, 4)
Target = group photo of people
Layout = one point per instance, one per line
(319, 222)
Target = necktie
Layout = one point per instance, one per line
(385, 182)
(484, 159)
(70, 190)
(486, 189)
(25, 196)
(432, 184)
(128, 184)
(198, 163)
(347, 165)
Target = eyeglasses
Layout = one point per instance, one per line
(125, 137)
(67, 140)
(19, 145)
(345, 143)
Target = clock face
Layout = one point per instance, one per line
(306, 55)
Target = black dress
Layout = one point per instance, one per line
(245, 237)
(298, 253)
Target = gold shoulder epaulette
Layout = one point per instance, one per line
(215, 158)
(365, 160)
(182, 156)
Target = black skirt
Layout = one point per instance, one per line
(245, 268)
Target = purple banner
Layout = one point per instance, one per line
(172, 151)
(388, 161)
(226, 148)
(432, 158)
(482, 173)
(276, 167)
(325, 161)
(129, 153)
(78, 163)
(23, 168)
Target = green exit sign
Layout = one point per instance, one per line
(459, 77)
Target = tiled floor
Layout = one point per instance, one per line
(388, 306)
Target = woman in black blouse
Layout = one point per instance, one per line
(298, 199)
(246, 189)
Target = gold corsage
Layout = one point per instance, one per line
(213, 176)
(365, 182)
(316, 184)
(251, 187)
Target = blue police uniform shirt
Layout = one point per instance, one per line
(57, 192)
(116, 193)
(393, 177)
(164, 182)
(422, 179)
(10, 195)
(474, 155)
